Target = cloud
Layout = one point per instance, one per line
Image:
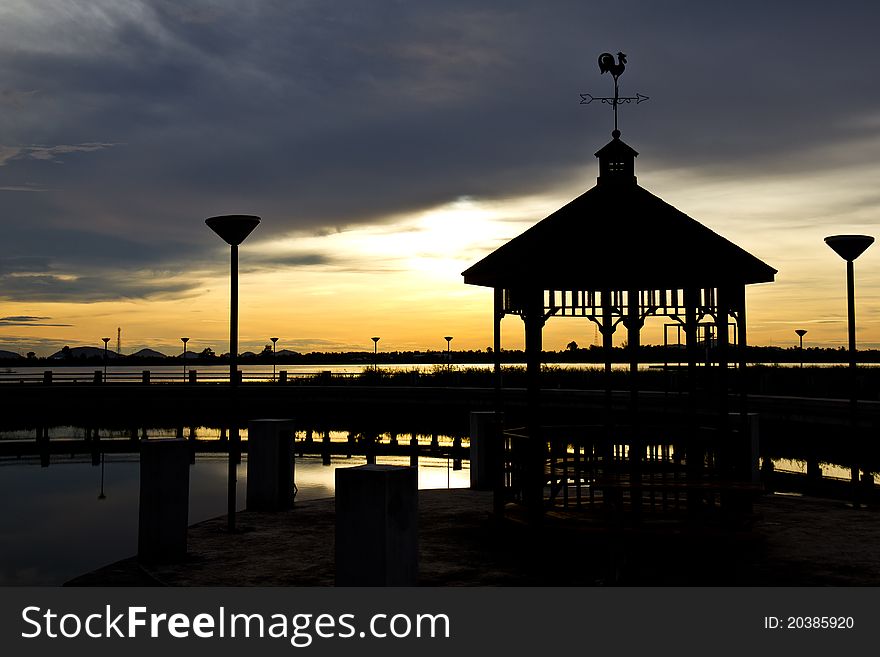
(27, 320)
(320, 115)
(47, 153)
(269, 261)
(15, 98)
(90, 289)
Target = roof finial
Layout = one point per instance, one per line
(607, 63)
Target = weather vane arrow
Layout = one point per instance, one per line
(607, 64)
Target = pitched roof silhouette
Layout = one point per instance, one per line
(620, 236)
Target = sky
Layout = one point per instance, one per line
(389, 145)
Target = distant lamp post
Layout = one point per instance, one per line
(274, 340)
(448, 339)
(184, 341)
(233, 229)
(850, 247)
(801, 333)
(106, 340)
(375, 353)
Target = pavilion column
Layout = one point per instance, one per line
(634, 324)
(497, 316)
(742, 357)
(607, 328)
(693, 454)
(723, 303)
(533, 318)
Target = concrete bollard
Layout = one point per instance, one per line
(145, 376)
(47, 377)
(282, 376)
(271, 463)
(483, 433)
(98, 377)
(164, 500)
(193, 376)
(377, 541)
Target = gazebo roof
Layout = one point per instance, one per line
(618, 235)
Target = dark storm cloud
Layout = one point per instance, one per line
(138, 119)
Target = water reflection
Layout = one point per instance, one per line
(58, 528)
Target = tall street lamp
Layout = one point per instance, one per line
(274, 340)
(801, 333)
(375, 353)
(184, 341)
(106, 340)
(850, 247)
(448, 339)
(233, 229)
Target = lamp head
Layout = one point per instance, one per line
(233, 228)
(184, 340)
(274, 340)
(849, 247)
(801, 332)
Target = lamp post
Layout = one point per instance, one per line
(448, 339)
(184, 341)
(274, 340)
(801, 333)
(850, 247)
(106, 340)
(375, 353)
(233, 229)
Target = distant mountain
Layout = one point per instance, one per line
(9, 355)
(84, 352)
(287, 352)
(247, 354)
(148, 353)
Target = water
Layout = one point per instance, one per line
(55, 527)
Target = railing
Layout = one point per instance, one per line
(593, 466)
(192, 376)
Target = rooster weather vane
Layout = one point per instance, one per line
(607, 64)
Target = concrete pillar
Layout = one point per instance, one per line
(164, 500)
(377, 526)
(484, 428)
(270, 481)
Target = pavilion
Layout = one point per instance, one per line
(616, 255)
